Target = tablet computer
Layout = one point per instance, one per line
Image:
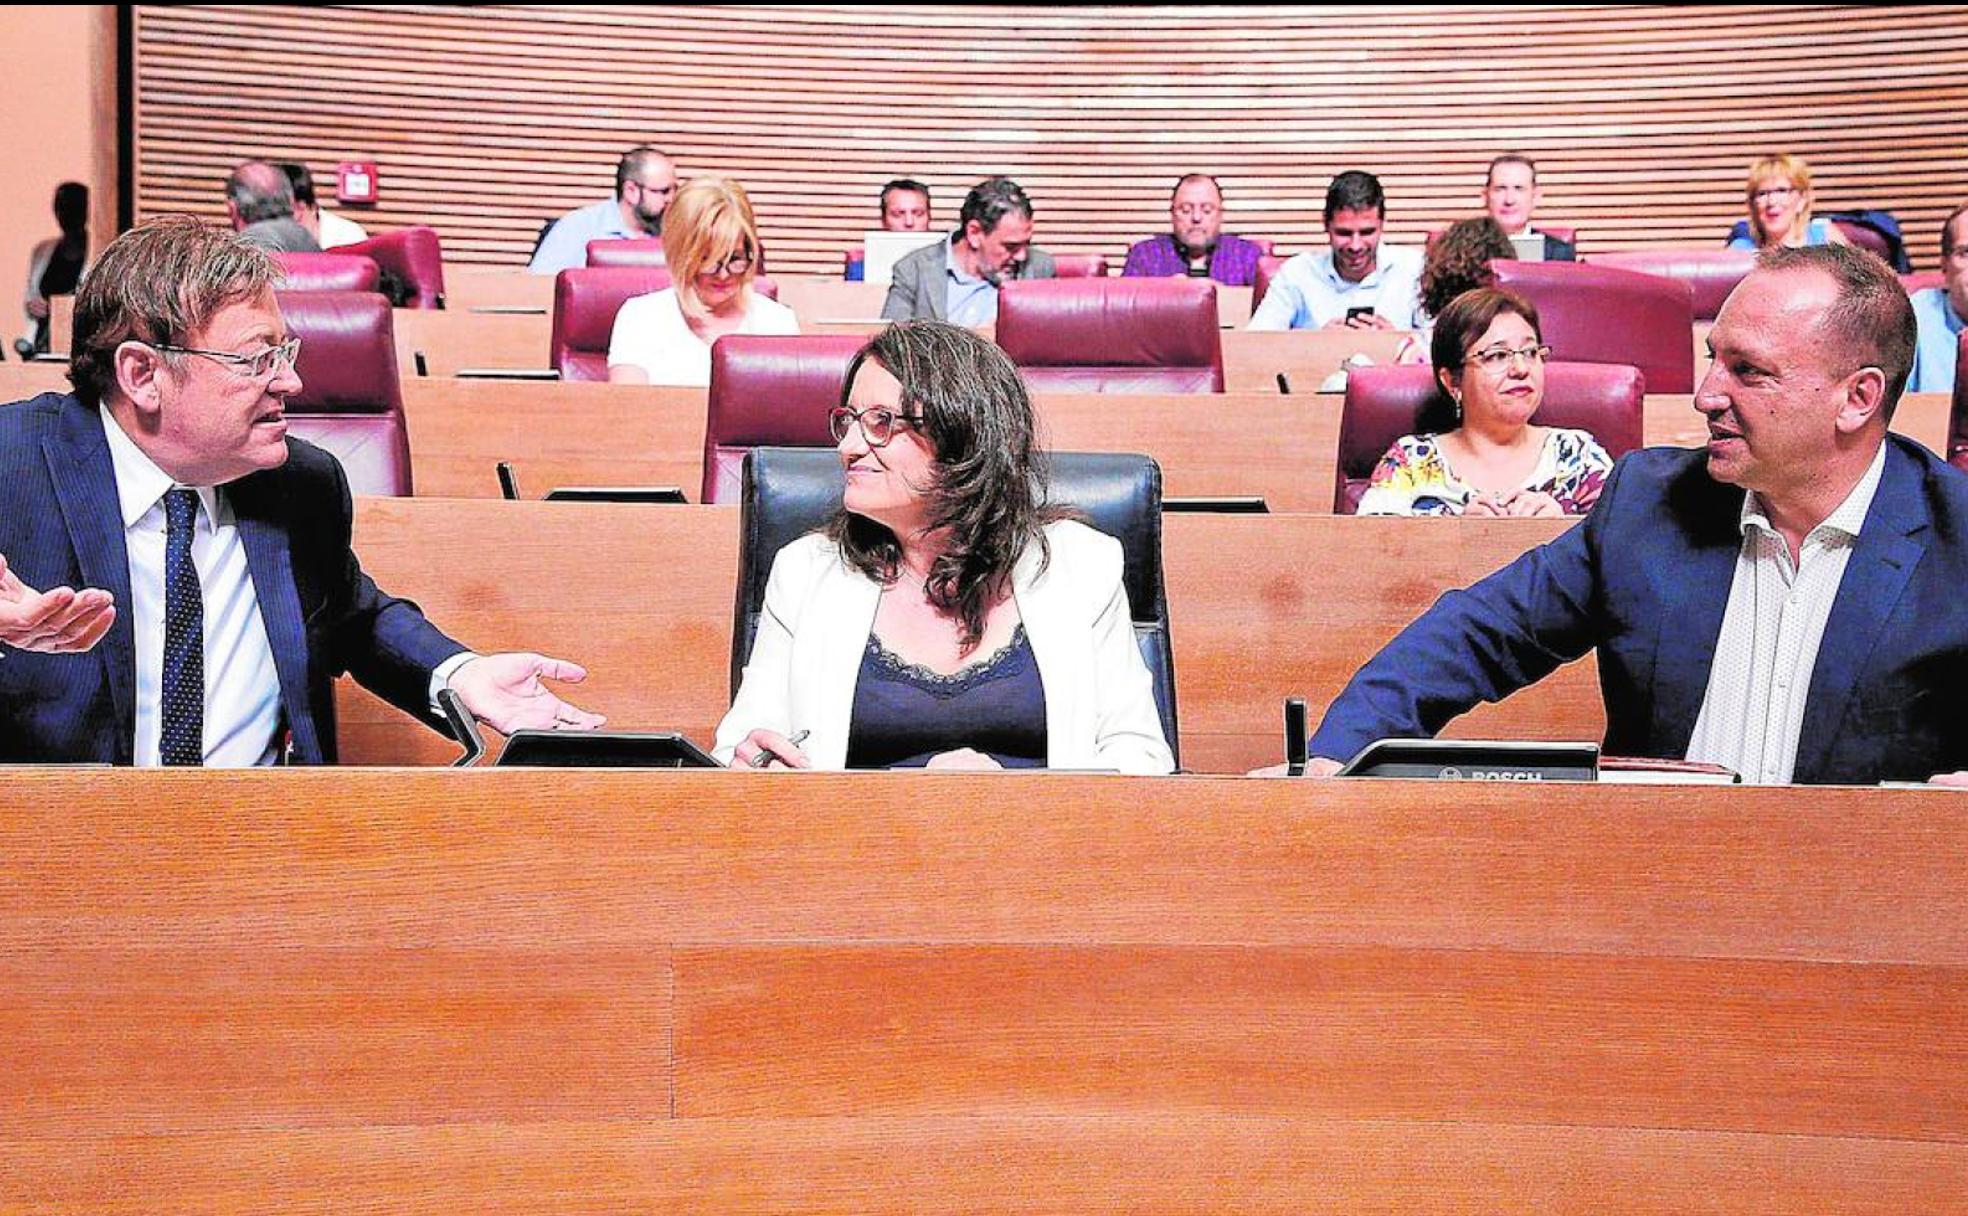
(602, 749)
(659, 494)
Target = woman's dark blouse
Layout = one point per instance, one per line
(904, 713)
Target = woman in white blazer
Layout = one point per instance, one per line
(944, 618)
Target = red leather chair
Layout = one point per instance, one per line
(585, 304)
(414, 256)
(350, 402)
(1711, 274)
(1267, 268)
(1113, 335)
(1602, 314)
(1079, 265)
(328, 272)
(1921, 280)
(769, 392)
(618, 251)
(1385, 403)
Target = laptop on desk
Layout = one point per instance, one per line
(880, 250)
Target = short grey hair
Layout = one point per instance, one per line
(260, 192)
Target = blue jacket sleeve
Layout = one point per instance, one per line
(1480, 644)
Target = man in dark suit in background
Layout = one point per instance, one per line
(1510, 196)
(957, 280)
(1785, 602)
(220, 596)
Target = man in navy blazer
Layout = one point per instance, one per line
(1838, 576)
(182, 365)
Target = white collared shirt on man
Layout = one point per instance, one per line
(242, 687)
(1753, 711)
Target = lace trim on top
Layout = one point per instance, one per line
(955, 682)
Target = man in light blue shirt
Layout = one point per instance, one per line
(645, 181)
(1358, 283)
(1942, 312)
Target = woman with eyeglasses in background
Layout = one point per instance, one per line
(711, 244)
(1477, 452)
(1779, 195)
(946, 617)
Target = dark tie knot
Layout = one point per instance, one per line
(180, 511)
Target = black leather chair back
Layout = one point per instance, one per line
(789, 492)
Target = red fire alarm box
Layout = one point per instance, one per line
(355, 181)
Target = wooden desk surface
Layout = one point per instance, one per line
(1280, 448)
(453, 339)
(514, 991)
(1261, 607)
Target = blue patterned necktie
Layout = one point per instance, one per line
(181, 717)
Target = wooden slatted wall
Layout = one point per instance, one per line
(486, 120)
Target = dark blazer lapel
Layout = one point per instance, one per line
(1890, 545)
(85, 489)
(269, 558)
(1694, 588)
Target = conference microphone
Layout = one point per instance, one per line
(1294, 736)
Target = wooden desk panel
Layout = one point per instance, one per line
(1263, 607)
(467, 288)
(1283, 449)
(1162, 1165)
(639, 595)
(1278, 448)
(19, 381)
(452, 338)
(423, 991)
(1495, 1037)
(575, 434)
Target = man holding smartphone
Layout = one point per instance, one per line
(1358, 283)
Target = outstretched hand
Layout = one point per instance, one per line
(58, 621)
(504, 691)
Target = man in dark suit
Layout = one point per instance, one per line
(957, 280)
(1809, 630)
(1510, 196)
(220, 595)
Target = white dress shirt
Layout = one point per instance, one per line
(242, 687)
(1753, 711)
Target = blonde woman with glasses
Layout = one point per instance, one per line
(1779, 194)
(711, 243)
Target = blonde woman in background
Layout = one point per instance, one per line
(1779, 196)
(711, 243)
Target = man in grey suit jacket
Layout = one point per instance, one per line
(957, 280)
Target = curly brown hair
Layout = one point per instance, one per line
(1460, 260)
(990, 482)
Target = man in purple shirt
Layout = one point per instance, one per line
(1197, 246)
